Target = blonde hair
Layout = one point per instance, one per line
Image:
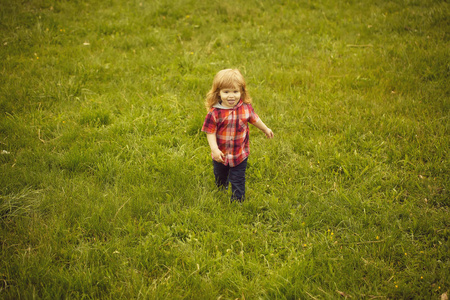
(227, 79)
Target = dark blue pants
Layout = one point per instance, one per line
(234, 175)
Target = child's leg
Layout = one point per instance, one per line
(221, 174)
(237, 179)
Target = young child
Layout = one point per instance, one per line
(226, 126)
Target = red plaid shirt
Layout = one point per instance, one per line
(231, 129)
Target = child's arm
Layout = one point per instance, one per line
(261, 126)
(216, 153)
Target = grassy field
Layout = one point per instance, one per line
(106, 183)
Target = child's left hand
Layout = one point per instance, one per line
(269, 133)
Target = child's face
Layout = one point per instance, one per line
(230, 97)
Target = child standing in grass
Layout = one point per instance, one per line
(226, 126)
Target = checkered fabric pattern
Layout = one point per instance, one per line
(231, 129)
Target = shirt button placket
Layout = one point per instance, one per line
(232, 133)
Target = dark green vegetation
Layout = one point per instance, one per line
(106, 185)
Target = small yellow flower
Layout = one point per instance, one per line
(396, 286)
(332, 233)
(406, 253)
(378, 237)
(421, 277)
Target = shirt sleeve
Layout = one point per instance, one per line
(253, 117)
(209, 126)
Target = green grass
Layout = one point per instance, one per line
(106, 184)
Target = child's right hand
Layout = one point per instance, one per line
(218, 155)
